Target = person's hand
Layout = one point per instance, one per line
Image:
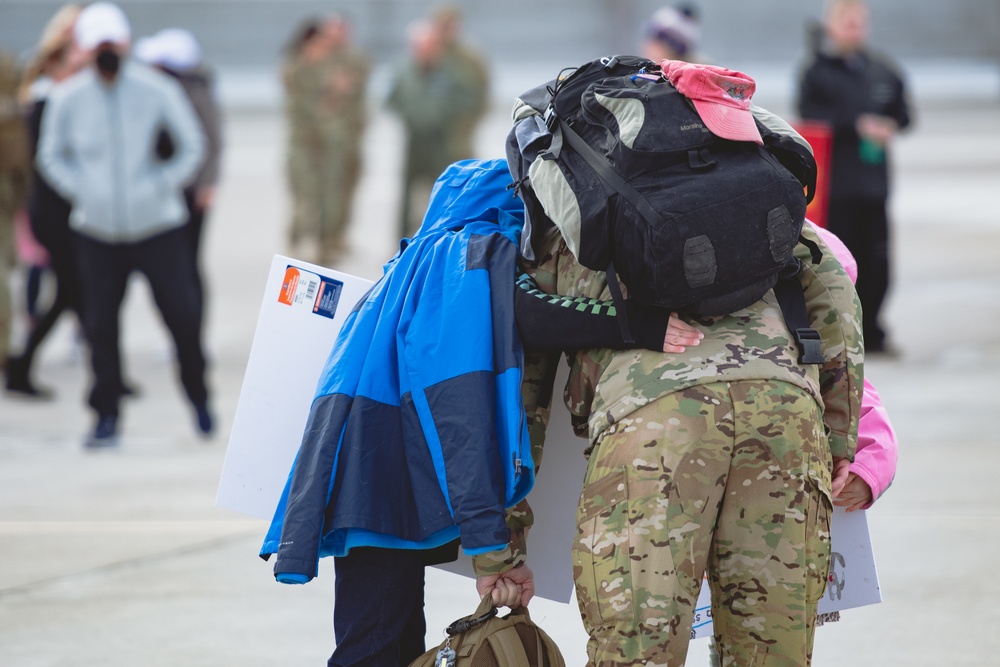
(513, 588)
(680, 335)
(205, 197)
(854, 495)
(879, 129)
(839, 478)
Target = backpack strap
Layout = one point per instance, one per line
(507, 647)
(619, 300)
(788, 291)
(605, 170)
(607, 173)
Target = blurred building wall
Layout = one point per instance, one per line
(251, 33)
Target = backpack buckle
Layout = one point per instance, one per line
(810, 346)
(550, 118)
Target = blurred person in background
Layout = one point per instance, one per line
(15, 167)
(672, 33)
(325, 79)
(177, 53)
(470, 67)
(438, 104)
(861, 95)
(55, 59)
(128, 211)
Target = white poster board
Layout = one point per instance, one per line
(295, 333)
(303, 309)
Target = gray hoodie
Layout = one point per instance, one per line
(98, 149)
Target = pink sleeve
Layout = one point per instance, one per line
(875, 460)
(838, 249)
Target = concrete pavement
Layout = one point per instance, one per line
(121, 558)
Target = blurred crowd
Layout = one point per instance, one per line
(110, 147)
(110, 150)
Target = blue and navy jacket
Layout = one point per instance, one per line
(417, 434)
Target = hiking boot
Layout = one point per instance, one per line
(105, 433)
(205, 422)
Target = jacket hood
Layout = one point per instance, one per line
(467, 191)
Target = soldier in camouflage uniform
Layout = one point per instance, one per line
(15, 169)
(439, 104)
(325, 81)
(469, 67)
(717, 459)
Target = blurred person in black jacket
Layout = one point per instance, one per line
(861, 95)
(177, 53)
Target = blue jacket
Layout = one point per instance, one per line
(417, 434)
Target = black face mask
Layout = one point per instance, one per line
(108, 63)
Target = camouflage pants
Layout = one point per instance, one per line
(732, 478)
(323, 185)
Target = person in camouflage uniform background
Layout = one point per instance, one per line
(325, 81)
(470, 68)
(439, 98)
(15, 171)
(716, 459)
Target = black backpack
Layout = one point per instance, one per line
(622, 163)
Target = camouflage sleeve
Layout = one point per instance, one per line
(519, 520)
(835, 312)
(575, 280)
(536, 391)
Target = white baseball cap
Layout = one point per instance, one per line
(175, 48)
(99, 23)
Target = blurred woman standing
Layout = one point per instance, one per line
(56, 58)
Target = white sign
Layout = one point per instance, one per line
(303, 309)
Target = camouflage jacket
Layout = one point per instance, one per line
(325, 101)
(605, 385)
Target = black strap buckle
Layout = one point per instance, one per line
(550, 118)
(464, 624)
(810, 346)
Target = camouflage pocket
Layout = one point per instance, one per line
(817, 542)
(601, 565)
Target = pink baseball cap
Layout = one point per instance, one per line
(721, 97)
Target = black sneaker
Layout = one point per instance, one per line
(24, 387)
(105, 433)
(18, 382)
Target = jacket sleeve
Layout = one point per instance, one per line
(817, 101)
(878, 451)
(181, 122)
(835, 312)
(555, 322)
(54, 158)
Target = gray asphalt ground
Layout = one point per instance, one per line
(121, 557)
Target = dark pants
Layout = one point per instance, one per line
(193, 229)
(863, 226)
(167, 262)
(378, 611)
(66, 298)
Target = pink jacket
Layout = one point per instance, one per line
(875, 461)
